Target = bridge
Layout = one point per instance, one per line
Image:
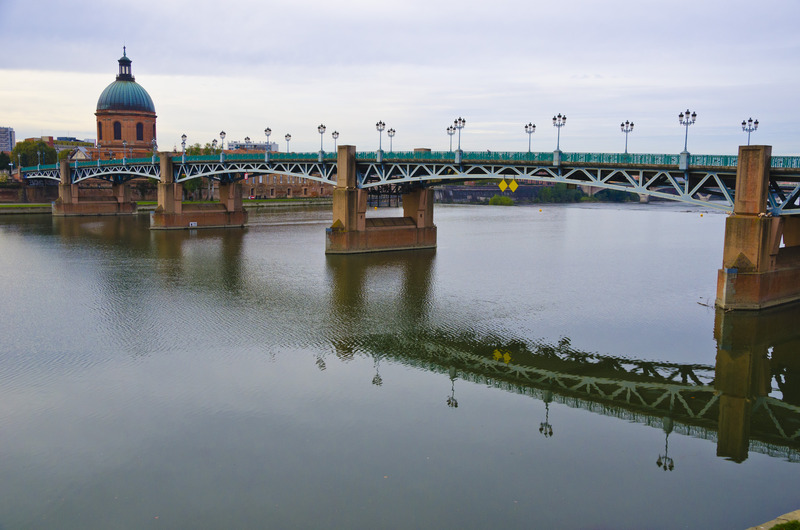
(761, 261)
(707, 180)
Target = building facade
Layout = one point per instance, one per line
(7, 139)
(126, 117)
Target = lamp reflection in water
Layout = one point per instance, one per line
(545, 428)
(452, 402)
(377, 380)
(664, 461)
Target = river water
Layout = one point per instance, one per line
(510, 378)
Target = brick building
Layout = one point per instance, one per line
(126, 116)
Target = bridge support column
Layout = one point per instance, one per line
(172, 214)
(69, 202)
(756, 271)
(353, 233)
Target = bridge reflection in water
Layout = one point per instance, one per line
(749, 401)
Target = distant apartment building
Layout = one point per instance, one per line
(7, 139)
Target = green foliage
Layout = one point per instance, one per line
(615, 196)
(501, 200)
(27, 153)
(5, 160)
(559, 193)
(196, 149)
(788, 525)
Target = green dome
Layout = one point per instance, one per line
(125, 93)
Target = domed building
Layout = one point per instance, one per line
(126, 116)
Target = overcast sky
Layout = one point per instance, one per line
(417, 65)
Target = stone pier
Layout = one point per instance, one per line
(757, 272)
(352, 232)
(172, 214)
(70, 203)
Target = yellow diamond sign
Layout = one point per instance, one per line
(503, 185)
(513, 186)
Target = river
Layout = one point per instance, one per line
(508, 379)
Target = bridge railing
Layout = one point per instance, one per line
(645, 159)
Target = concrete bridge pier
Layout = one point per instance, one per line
(351, 231)
(756, 271)
(172, 214)
(70, 203)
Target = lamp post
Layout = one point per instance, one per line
(686, 120)
(450, 132)
(38, 159)
(183, 149)
(530, 129)
(380, 126)
(267, 133)
(626, 128)
(222, 146)
(246, 143)
(321, 129)
(749, 126)
(155, 146)
(459, 124)
(335, 135)
(124, 149)
(287, 138)
(558, 122)
(390, 133)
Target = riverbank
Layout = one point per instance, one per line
(149, 206)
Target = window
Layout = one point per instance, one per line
(288, 192)
(117, 130)
(140, 131)
(99, 131)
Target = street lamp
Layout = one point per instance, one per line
(287, 138)
(558, 122)
(38, 159)
(246, 143)
(124, 149)
(335, 135)
(459, 124)
(626, 128)
(183, 148)
(321, 129)
(267, 133)
(222, 146)
(390, 133)
(450, 132)
(155, 146)
(686, 120)
(380, 126)
(749, 126)
(530, 129)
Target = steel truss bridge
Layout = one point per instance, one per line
(670, 396)
(709, 180)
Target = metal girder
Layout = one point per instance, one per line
(695, 187)
(118, 172)
(235, 170)
(49, 173)
(783, 199)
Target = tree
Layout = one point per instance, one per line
(25, 153)
(5, 160)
